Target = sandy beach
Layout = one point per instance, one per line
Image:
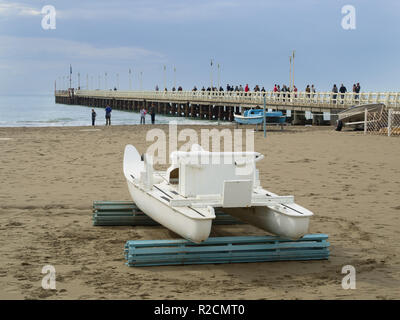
(50, 177)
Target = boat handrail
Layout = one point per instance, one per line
(177, 155)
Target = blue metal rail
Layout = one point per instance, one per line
(126, 213)
(226, 250)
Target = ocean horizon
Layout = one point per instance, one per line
(40, 110)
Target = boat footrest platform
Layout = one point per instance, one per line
(140, 253)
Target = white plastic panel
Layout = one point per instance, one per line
(237, 193)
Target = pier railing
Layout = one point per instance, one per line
(306, 100)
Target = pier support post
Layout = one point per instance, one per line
(317, 119)
(187, 109)
(299, 117)
(231, 117)
(334, 117)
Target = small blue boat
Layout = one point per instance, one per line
(256, 116)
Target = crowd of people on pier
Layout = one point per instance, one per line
(277, 89)
(310, 90)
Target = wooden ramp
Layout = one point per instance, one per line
(126, 213)
(140, 253)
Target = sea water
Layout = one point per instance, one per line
(42, 111)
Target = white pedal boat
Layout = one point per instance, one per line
(183, 198)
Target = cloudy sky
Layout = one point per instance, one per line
(251, 40)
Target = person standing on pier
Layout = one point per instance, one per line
(334, 90)
(358, 88)
(342, 90)
(93, 117)
(108, 115)
(308, 90)
(313, 90)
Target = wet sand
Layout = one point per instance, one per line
(50, 176)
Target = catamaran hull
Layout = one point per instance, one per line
(196, 230)
(273, 221)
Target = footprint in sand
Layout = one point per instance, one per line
(90, 130)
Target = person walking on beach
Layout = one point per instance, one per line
(93, 117)
(142, 116)
(153, 114)
(108, 115)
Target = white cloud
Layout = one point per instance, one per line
(53, 48)
(9, 9)
(156, 10)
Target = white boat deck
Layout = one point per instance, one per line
(166, 193)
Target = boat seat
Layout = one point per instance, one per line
(173, 177)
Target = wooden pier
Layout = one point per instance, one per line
(220, 105)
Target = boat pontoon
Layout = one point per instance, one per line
(256, 116)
